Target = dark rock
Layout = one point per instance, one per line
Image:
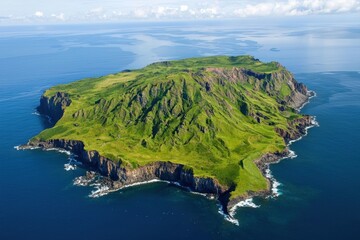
(54, 106)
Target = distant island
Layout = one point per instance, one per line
(212, 124)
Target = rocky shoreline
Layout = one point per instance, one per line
(120, 176)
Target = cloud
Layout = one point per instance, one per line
(39, 14)
(110, 10)
(96, 10)
(184, 8)
(140, 13)
(209, 12)
(234, 9)
(60, 16)
(298, 7)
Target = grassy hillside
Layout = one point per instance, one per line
(215, 115)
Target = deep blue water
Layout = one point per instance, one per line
(320, 188)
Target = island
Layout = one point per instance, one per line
(212, 124)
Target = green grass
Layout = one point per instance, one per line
(164, 112)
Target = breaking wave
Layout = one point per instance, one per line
(230, 217)
(72, 164)
(314, 123)
(100, 190)
(275, 192)
(227, 217)
(85, 180)
(19, 147)
(59, 150)
(92, 179)
(311, 95)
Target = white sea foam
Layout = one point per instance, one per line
(100, 190)
(72, 164)
(158, 180)
(275, 188)
(141, 183)
(311, 94)
(81, 181)
(292, 154)
(245, 203)
(26, 148)
(314, 123)
(85, 180)
(199, 193)
(227, 217)
(69, 167)
(176, 184)
(60, 150)
(230, 217)
(275, 192)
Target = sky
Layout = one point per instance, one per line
(88, 11)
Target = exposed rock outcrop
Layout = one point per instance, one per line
(54, 106)
(123, 176)
(297, 128)
(268, 82)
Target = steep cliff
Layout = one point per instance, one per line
(54, 106)
(122, 176)
(281, 84)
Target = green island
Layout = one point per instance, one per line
(215, 116)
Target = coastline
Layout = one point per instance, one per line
(120, 177)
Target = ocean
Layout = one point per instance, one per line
(319, 189)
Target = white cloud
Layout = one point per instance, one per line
(60, 16)
(184, 8)
(96, 10)
(210, 11)
(298, 7)
(39, 14)
(140, 13)
(111, 10)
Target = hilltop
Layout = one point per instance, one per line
(209, 123)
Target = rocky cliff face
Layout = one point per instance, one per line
(54, 106)
(123, 176)
(297, 128)
(271, 83)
